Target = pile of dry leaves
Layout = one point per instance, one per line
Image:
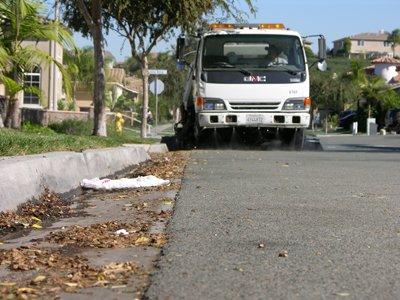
(166, 166)
(107, 235)
(55, 271)
(31, 214)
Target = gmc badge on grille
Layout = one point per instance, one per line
(254, 78)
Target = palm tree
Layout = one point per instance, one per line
(369, 88)
(394, 38)
(80, 64)
(20, 21)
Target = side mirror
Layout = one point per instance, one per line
(322, 48)
(180, 47)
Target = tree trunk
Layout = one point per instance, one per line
(13, 117)
(100, 128)
(145, 102)
(74, 95)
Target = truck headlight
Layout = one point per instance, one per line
(213, 104)
(294, 104)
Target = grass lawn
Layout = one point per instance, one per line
(33, 139)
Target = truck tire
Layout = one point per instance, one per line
(299, 138)
(292, 137)
(184, 130)
(202, 136)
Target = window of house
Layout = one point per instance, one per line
(32, 79)
(386, 44)
(360, 43)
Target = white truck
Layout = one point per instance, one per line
(251, 78)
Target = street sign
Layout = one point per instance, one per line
(156, 87)
(158, 72)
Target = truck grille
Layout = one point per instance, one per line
(254, 105)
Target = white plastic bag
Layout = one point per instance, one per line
(123, 183)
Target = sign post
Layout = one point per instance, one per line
(157, 87)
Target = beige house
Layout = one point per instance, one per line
(368, 45)
(45, 77)
(117, 83)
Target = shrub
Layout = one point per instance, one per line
(75, 127)
(35, 128)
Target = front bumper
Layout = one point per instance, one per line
(216, 119)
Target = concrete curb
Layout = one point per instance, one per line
(25, 177)
(151, 148)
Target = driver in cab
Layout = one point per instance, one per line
(275, 56)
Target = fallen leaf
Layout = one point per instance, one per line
(168, 202)
(118, 286)
(342, 294)
(101, 283)
(36, 219)
(239, 269)
(283, 254)
(36, 226)
(8, 284)
(38, 279)
(71, 284)
(26, 290)
(142, 241)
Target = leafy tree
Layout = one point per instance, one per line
(394, 39)
(144, 23)
(309, 54)
(347, 47)
(20, 21)
(390, 99)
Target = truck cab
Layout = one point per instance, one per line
(248, 77)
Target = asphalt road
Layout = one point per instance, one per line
(335, 213)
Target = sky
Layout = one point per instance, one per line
(333, 18)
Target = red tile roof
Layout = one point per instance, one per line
(386, 60)
(369, 36)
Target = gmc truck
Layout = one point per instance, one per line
(249, 78)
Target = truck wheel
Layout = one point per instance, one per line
(299, 138)
(184, 129)
(292, 137)
(202, 136)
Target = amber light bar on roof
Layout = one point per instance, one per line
(218, 26)
(272, 26)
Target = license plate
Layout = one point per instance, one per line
(255, 119)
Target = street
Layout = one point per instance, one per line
(284, 225)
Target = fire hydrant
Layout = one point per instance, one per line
(119, 122)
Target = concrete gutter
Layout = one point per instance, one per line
(25, 177)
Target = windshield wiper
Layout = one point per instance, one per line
(286, 69)
(228, 65)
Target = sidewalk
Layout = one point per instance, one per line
(79, 255)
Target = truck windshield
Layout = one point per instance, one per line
(279, 53)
